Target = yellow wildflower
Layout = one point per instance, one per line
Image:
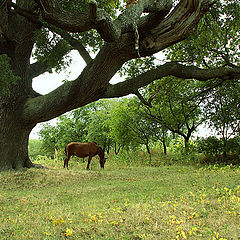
(57, 221)
(193, 231)
(183, 234)
(68, 232)
(47, 234)
(114, 223)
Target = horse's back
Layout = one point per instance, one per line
(81, 149)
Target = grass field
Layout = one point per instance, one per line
(167, 202)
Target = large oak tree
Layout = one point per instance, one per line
(141, 29)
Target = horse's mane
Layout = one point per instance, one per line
(101, 151)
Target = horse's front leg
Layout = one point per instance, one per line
(66, 161)
(89, 160)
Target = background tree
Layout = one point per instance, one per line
(131, 127)
(49, 30)
(177, 108)
(120, 116)
(48, 135)
(99, 125)
(223, 111)
(157, 131)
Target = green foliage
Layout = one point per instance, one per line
(99, 124)
(137, 66)
(222, 109)
(91, 40)
(234, 145)
(216, 35)
(48, 137)
(180, 155)
(128, 125)
(34, 148)
(51, 48)
(120, 118)
(7, 77)
(218, 151)
(133, 128)
(210, 146)
(213, 146)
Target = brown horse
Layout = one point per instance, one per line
(82, 150)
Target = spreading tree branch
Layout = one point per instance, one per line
(96, 18)
(175, 27)
(93, 83)
(29, 14)
(142, 99)
(78, 21)
(171, 69)
(131, 17)
(37, 68)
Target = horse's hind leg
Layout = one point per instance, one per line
(89, 160)
(65, 162)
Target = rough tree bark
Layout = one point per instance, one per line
(21, 109)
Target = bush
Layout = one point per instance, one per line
(233, 145)
(215, 151)
(230, 159)
(182, 155)
(210, 146)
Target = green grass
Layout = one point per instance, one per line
(121, 202)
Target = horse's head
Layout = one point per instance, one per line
(102, 161)
(102, 157)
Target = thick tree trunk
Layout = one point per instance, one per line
(14, 140)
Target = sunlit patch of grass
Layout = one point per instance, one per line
(170, 202)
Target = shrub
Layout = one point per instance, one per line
(233, 145)
(182, 155)
(210, 146)
(215, 151)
